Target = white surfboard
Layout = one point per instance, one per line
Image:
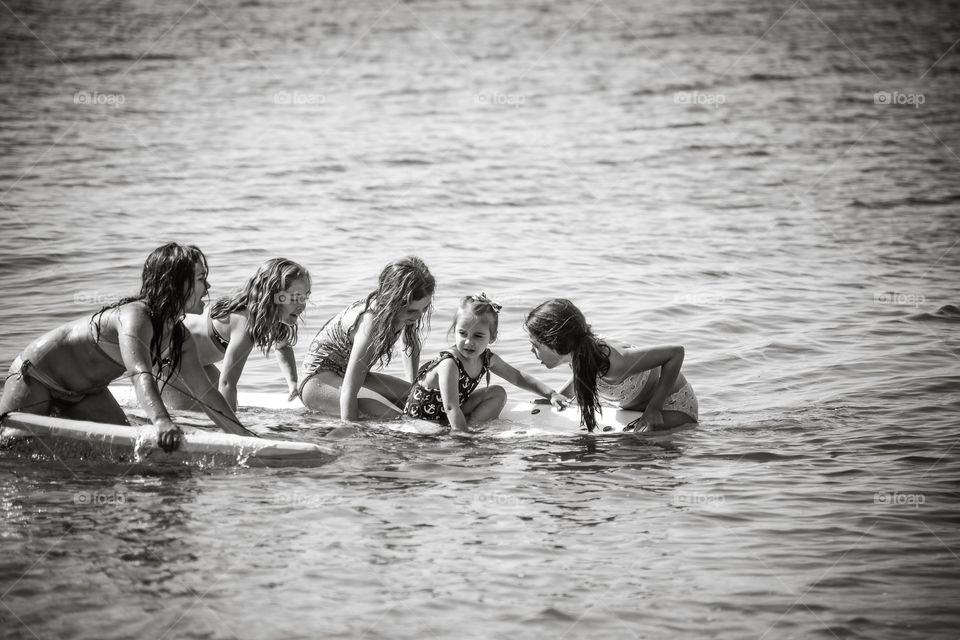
(531, 418)
(141, 442)
(539, 418)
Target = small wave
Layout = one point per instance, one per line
(762, 456)
(119, 57)
(407, 162)
(551, 614)
(912, 201)
(770, 77)
(665, 90)
(949, 312)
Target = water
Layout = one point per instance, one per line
(720, 176)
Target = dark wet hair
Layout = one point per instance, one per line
(261, 297)
(560, 325)
(167, 283)
(401, 282)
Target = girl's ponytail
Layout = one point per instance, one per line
(590, 360)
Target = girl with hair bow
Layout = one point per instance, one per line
(446, 387)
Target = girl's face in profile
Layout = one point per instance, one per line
(292, 301)
(414, 310)
(547, 356)
(194, 303)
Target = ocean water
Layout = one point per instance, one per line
(773, 185)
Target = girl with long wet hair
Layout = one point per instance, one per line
(339, 361)
(612, 373)
(262, 314)
(67, 370)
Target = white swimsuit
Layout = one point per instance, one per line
(683, 400)
(620, 392)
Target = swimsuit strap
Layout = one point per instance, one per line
(433, 363)
(487, 354)
(443, 355)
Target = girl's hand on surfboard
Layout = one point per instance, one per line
(650, 420)
(169, 436)
(559, 401)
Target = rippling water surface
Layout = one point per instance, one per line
(756, 181)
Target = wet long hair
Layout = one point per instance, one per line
(560, 325)
(478, 306)
(261, 297)
(401, 282)
(168, 281)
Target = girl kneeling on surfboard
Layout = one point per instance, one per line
(262, 314)
(639, 379)
(67, 370)
(338, 362)
(445, 390)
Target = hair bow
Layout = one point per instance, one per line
(482, 297)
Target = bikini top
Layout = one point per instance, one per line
(221, 342)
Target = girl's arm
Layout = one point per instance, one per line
(134, 333)
(669, 359)
(235, 358)
(361, 359)
(567, 389)
(525, 381)
(194, 378)
(448, 379)
(288, 367)
(411, 361)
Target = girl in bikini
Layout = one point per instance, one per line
(338, 362)
(263, 314)
(66, 371)
(616, 374)
(446, 387)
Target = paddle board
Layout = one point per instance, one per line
(540, 418)
(141, 442)
(518, 419)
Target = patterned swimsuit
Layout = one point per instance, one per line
(619, 394)
(683, 399)
(427, 404)
(330, 348)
